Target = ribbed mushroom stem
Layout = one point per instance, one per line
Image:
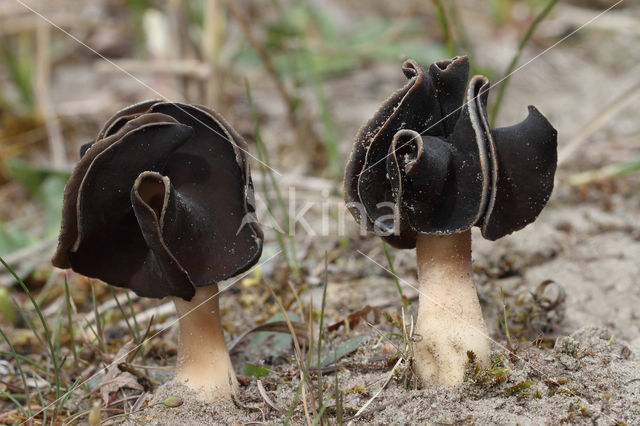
(203, 359)
(450, 320)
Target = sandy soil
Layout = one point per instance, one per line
(587, 241)
(588, 378)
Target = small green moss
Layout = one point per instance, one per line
(519, 388)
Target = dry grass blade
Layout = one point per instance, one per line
(601, 119)
(607, 172)
(269, 401)
(384, 385)
(304, 377)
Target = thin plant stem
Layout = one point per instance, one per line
(135, 335)
(134, 316)
(294, 402)
(246, 26)
(444, 25)
(332, 142)
(325, 280)
(43, 402)
(57, 340)
(72, 336)
(463, 37)
(99, 334)
(514, 61)
(263, 172)
(263, 156)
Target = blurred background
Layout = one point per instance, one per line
(297, 78)
(317, 71)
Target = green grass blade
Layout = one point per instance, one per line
(43, 401)
(17, 357)
(63, 400)
(320, 415)
(405, 302)
(99, 333)
(72, 336)
(331, 139)
(25, 359)
(7, 310)
(268, 176)
(134, 315)
(20, 66)
(135, 336)
(57, 336)
(292, 407)
(16, 403)
(444, 26)
(47, 332)
(325, 281)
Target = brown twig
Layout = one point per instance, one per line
(213, 35)
(189, 68)
(601, 118)
(289, 101)
(43, 92)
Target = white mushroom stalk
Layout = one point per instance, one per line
(203, 362)
(450, 321)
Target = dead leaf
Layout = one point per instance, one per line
(355, 318)
(300, 329)
(387, 349)
(115, 379)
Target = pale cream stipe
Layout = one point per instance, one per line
(450, 319)
(203, 360)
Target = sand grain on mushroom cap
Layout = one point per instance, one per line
(153, 205)
(430, 154)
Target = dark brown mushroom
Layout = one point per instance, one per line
(424, 170)
(159, 204)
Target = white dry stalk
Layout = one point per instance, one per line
(384, 385)
(600, 120)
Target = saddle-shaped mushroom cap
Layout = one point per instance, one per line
(525, 165)
(429, 163)
(69, 226)
(424, 170)
(157, 203)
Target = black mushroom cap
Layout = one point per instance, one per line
(161, 202)
(428, 162)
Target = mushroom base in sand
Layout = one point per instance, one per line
(203, 359)
(450, 321)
